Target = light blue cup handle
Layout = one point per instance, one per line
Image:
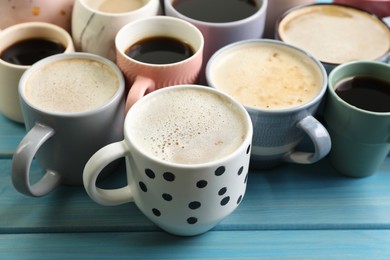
(319, 137)
(23, 158)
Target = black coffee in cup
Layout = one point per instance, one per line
(216, 11)
(160, 50)
(27, 52)
(365, 92)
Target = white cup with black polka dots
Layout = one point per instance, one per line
(187, 151)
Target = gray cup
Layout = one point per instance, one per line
(62, 142)
(277, 131)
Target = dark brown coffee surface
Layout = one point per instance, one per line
(160, 50)
(29, 51)
(216, 11)
(365, 92)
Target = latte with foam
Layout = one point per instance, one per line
(189, 126)
(71, 85)
(336, 34)
(119, 6)
(265, 75)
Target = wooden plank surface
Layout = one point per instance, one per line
(296, 244)
(292, 197)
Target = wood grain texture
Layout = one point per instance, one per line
(299, 244)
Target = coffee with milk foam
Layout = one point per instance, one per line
(267, 76)
(189, 126)
(72, 85)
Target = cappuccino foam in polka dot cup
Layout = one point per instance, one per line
(187, 151)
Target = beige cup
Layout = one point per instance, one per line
(10, 73)
(335, 34)
(96, 22)
(142, 77)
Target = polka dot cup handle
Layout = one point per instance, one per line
(182, 198)
(94, 167)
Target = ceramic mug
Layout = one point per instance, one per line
(346, 33)
(96, 23)
(73, 105)
(281, 86)
(14, 65)
(143, 77)
(57, 12)
(187, 151)
(218, 34)
(357, 115)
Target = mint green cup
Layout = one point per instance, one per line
(360, 138)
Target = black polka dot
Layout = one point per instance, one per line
(222, 191)
(150, 173)
(239, 199)
(194, 205)
(225, 201)
(168, 176)
(167, 197)
(192, 220)
(143, 186)
(220, 171)
(246, 178)
(248, 149)
(156, 212)
(240, 170)
(201, 184)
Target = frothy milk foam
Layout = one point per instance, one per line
(336, 34)
(266, 76)
(188, 126)
(71, 85)
(119, 6)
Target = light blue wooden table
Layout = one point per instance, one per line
(292, 212)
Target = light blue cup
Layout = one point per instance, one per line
(278, 133)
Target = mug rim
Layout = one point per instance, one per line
(60, 32)
(66, 56)
(243, 113)
(332, 84)
(108, 14)
(301, 107)
(261, 11)
(300, 7)
(158, 19)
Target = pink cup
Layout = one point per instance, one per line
(143, 78)
(380, 8)
(57, 12)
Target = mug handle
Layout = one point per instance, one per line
(141, 86)
(23, 158)
(319, 137)
(92, 170)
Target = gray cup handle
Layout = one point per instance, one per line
(319, 137)
(23, 158)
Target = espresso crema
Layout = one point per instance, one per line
(266, 76)
(71, 85)
(336, 34)
(189, 126)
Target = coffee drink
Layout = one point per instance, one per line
(365, 92)
(71, 86)
(160, 50)
(119, 6)
(216, 11)
(189, 126)
(266, 76)
(336, 34)
(27, 52)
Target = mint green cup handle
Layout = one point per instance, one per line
(319, 137)
(93, 168)
(23, 158)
